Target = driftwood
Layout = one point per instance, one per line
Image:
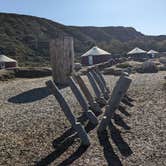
(117, 95)
(93, 104)
(62, 58)
(99, 98)
(126, 100)
(101, 84)
(94, 85)
(102, 78)
(69, 115)
(88, 113)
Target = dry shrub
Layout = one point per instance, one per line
(6, 74)
(123, 65)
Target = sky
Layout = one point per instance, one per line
(146, 16)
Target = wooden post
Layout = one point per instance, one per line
(89, 114)
(62, 58)
(102, 78)
(101, 84)
(126, 100)
(117, 95)
(93, 104)
(94, 85)
(99, 98)
(69, 115)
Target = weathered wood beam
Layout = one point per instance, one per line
(89, 114)
(69, 115)
(93, 104)
(62, 58)
(126, 100)
(102, 78)
(117, 95)
(99, 98)
(101, 84)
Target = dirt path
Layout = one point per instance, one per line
(31, 119)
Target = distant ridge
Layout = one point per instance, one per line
(26, 38)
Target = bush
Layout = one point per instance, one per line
(123, 65)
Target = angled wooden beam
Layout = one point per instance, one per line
(102, 78)
(101, 84)
(126, 100)
(94, 85)
(69, 115)
(89, 114)
(93, 104)
(99, 98)
(117, 95)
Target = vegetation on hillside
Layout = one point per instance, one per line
(26, 38)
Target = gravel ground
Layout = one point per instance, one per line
(31, 119)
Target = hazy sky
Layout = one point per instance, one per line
(147, 16)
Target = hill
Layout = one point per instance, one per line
(26, 38)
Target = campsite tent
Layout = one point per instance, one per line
(6, 62)
(94, 56)
(138, 54)
(152, 53)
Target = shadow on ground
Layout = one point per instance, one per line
(109, 154)
(61, 144)
(30, 96)
(67, 139)
(120, 122)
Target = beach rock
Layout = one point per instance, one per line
(162, 60)
(148, 67)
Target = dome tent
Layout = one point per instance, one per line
(94, 56)
(6, 62)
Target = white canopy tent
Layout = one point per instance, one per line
(136, 51)
(152, 52)
(6, 62)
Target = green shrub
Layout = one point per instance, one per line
(123, 65)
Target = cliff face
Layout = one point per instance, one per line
(26, 38)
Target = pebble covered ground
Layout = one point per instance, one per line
(31, 119)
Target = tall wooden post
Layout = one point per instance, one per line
(62, 58)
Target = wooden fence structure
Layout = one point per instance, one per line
(91, 105)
